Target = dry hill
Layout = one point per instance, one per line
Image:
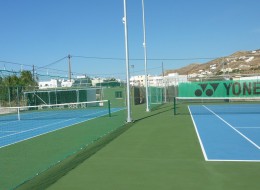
(242, 62)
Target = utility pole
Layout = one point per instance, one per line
(162, 70)
(69, 56)
(35, 78)
(33, 73)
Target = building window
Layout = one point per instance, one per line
(118, 94)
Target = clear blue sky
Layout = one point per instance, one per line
(40, 32)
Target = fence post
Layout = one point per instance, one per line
(18, 114)
(109, 108)
(9, 96)
(174, 105)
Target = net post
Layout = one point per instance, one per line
(174, 105)
(109, 108)
(18, 114)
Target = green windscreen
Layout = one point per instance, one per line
(228, 88)
(155, 97)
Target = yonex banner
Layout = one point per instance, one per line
(230, 88)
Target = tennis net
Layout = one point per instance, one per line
(55, 111)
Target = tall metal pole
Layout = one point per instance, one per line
(145, 61)
(129, 119)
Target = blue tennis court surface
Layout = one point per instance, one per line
(228, 132)
(35, 124)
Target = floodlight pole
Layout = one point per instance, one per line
(145, 61)
(129, 119)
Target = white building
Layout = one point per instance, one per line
(138, 80)
(253, 78)
(67, 83)
(160, 81)
(53, 83)
(227, 70)
(96, 81)
(174, 79)
(156, 81)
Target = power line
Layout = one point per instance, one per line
(53, 63)
(52, 70)
(101, 58)
(120, 59)
(104, 58)
(105, 74)
(14, 63)
(141, 59)
(38, 68)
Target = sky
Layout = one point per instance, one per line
(44, 32)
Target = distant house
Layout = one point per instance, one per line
(96, 81)
(53, 83)
(249, 59)
(80, 81)
(213, 67)
(158, 81)
(227, 70)
(138, 80)
(67, 83)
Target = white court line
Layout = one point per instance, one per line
(249, 140)
(9, 131)
(219, 160)
(25, 114)
(13, 121)
(200, 141)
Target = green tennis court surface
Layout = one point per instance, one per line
(159, 151)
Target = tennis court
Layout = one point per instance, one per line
(40, 120)
(228, 132)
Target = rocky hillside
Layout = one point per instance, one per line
(242, 62)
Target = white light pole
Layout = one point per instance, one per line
(129, 119)
(145, 61)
